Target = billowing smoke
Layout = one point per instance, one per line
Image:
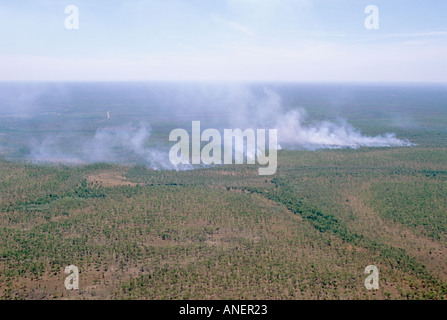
(125, 143)
(296, 131)
(119, 144)
(74, 129)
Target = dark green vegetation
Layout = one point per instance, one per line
(308, 232)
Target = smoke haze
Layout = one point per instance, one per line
(294, 131)
(131, 124)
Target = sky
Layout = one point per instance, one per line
(224, 40)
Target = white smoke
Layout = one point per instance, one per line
(236, 107)
(50, 150)
(120, 144)
(296, 131)
(126, 142)
(293, 132)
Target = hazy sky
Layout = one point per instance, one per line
(221, 40)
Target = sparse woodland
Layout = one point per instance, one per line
(224, 232)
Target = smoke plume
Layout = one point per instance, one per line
(120, 131)
(120, 144)
(296, 131)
